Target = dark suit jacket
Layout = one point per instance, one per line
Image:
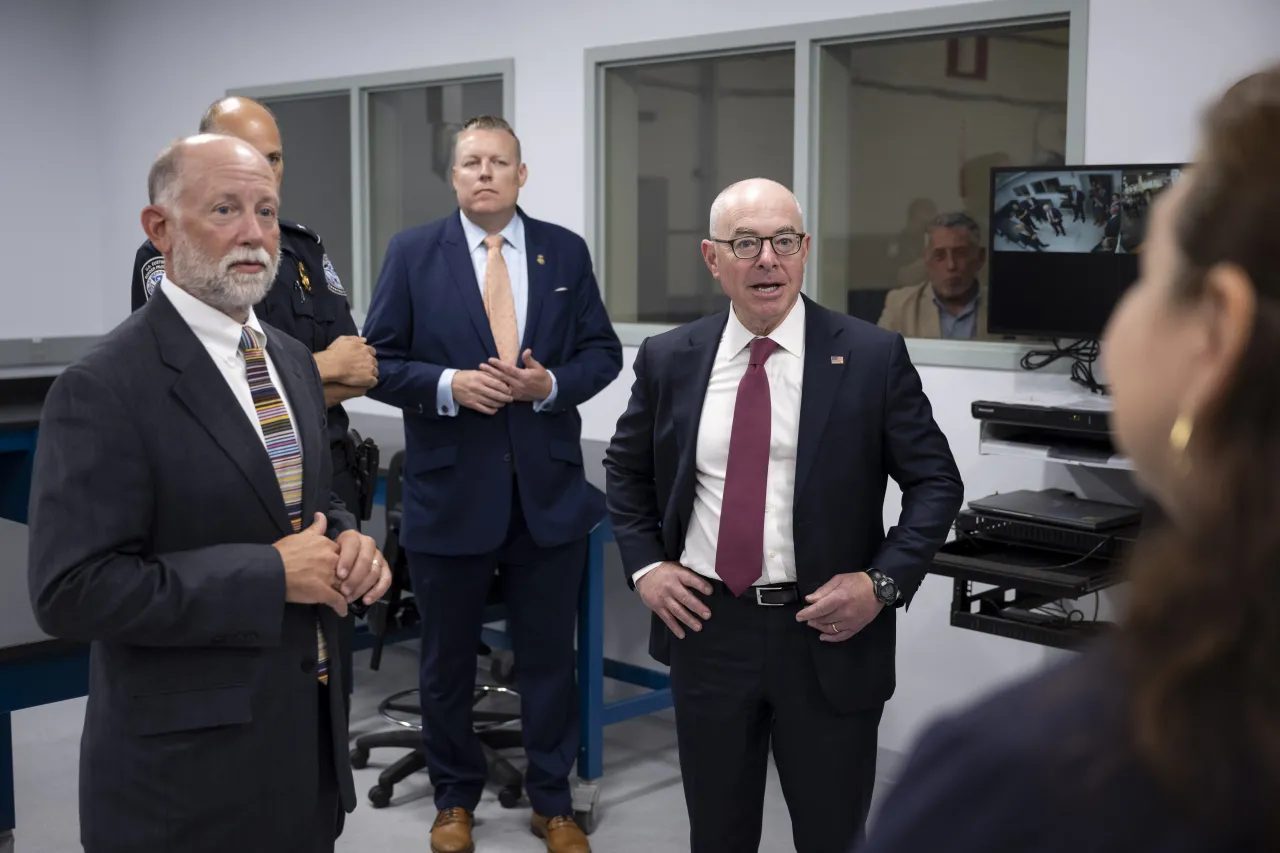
(1047, 766)
(862, 420)
(428, 315)
(153, 510)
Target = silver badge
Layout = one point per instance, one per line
(152, 273)
(331, 277)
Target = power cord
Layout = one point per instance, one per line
(1058, 611)
(1083, 355)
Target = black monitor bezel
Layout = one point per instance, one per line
(993, 173)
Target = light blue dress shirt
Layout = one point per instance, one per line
(513, 253)
(959, 327)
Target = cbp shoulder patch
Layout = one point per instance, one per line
(331, 277)
(152, 273)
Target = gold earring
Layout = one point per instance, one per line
(1179, 438)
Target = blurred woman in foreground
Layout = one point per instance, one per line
(1167, 735)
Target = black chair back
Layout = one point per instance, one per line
(389, 611)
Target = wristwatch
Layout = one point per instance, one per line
(887, 592)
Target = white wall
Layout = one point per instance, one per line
(50, 195)
(1151, 64)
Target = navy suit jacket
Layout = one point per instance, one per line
(428, 315)
(863, 418)
(1049, 765)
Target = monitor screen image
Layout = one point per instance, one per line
(1055, 211)
(1138, 190)
(1063, 244)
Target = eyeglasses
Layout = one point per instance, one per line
(747, 248)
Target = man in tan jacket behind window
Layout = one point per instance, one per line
(949, 303)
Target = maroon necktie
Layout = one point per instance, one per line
(740, 546)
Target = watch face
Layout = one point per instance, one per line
(888, 590)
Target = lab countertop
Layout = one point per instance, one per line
(593, 462)
(20, 637)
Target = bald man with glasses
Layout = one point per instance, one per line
(746, 482)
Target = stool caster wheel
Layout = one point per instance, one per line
(509, 796)
(586, 821)
(379, 797)
(359, 758)
(586, 798)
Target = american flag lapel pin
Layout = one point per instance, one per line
(837, 359)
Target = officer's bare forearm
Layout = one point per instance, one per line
(336, 392)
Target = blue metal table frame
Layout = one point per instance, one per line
(42, 672)
(54, 672)
(593, 667)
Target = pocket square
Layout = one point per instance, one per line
(561, 289)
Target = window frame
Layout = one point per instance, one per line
(358, 88)
(807, 39)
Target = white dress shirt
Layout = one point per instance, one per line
(220, 336)
(785, 371)
(516, 258)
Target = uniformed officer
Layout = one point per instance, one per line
(307, 300)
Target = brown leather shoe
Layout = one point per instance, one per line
(451, 833)
(562, 834)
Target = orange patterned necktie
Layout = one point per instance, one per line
(499, 304)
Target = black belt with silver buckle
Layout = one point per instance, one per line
(774, 595)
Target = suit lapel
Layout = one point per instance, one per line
(690, 374)
(203, 391)
(296, 391)
(539, 261)
(458, 255)
(928, 324)
(826, 358)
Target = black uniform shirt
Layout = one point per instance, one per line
(306, 301)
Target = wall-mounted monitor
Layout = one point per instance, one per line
(1064, 244)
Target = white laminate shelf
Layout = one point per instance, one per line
(996, 440)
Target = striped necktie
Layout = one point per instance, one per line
(282, 448)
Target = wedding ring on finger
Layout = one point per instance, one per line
(834, 629)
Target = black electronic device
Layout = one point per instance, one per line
(1058, 507)
(1045, 415)
(1070, 428)
(1064, 244)
(999, 531)
(1028, 564)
